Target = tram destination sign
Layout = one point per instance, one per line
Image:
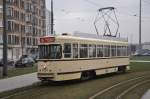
(47, 39)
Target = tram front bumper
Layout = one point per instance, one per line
(46, 76)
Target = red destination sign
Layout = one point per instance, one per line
(47, 39)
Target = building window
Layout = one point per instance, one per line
(1, 9)
(23, 41)
(22, 4)
(10, 26)
(22, 29)
(16, 27)
(29, 41)
(9, 12)
(9, 39)
(1, 38)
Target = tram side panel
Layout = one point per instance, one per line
(72, 69)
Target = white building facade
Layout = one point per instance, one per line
(25, 20)
(48, 22)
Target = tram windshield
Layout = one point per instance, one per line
(50, 51)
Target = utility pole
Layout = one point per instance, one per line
(4, 40)
(52, 18)
(22, 46)
(140, 16)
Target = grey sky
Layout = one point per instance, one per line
(79, 15)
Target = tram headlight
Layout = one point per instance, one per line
(44, 67)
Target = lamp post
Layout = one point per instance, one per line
(52, 18)
(140, 14)
(4, 40)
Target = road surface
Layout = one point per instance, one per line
(18, 82)
(139, 61)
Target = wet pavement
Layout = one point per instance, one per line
(18, 82)
(146, 95)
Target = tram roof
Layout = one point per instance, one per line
(112, 40)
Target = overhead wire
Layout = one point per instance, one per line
(125, 14)
(98, 5)
(145, 1)
(93, 3)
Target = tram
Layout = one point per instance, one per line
(67, 57)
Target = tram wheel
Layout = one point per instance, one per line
(122, 69)
(88, 75)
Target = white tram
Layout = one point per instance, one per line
(69, 57)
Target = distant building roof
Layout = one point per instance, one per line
(146, 43)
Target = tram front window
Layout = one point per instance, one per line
(50, 51)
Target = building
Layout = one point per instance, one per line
(1, 27)
(48, 22)
(25, 23)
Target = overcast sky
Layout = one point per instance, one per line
(79, 15)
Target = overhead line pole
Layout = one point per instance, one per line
(4, 40)
(140, 30)
(52, 18)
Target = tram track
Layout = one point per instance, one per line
(131, 88)
(124, 86)
(26, 91)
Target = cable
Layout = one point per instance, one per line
(93, 3)
(98, 5)
(147, 2)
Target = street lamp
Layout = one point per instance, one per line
(4, 40)
(52, 18)
(140, 14)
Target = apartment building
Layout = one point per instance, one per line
(48, 22)
(25, 24)
(1, 27)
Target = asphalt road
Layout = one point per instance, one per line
(139, 61)
(18, 82)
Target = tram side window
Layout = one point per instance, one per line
(113, 50)
(106, 51)
(100, 51)
(128, 51)
(124, 51)
(75, 50)
(83, 51)
(67, 50)
(92, 50)
(119, 50)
